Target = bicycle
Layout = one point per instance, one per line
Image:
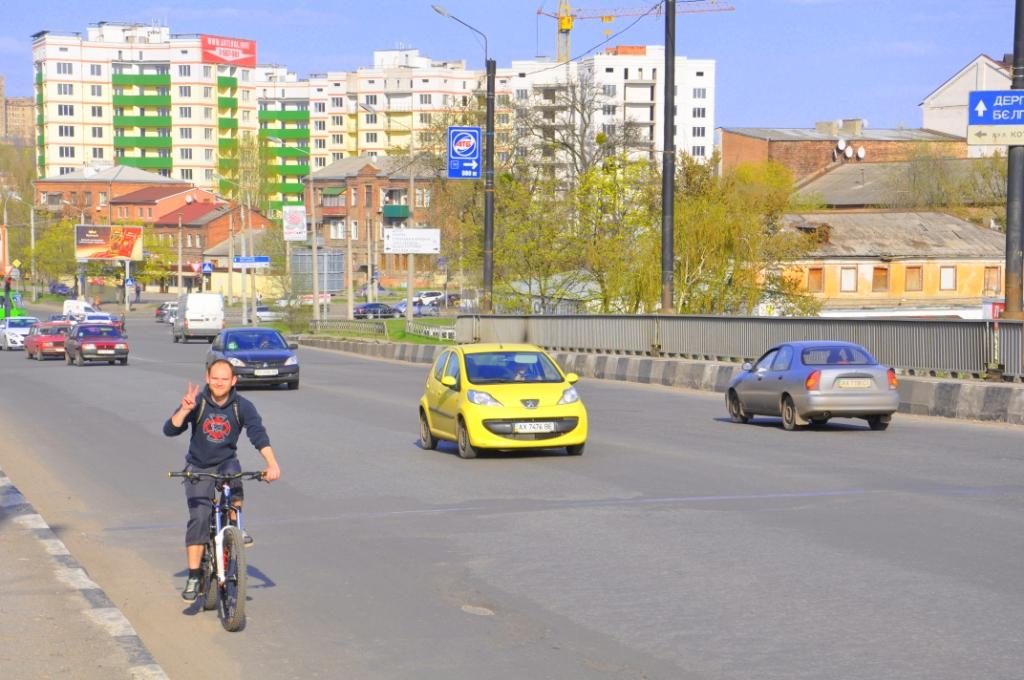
(223, 562)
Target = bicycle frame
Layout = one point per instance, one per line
(221, 521)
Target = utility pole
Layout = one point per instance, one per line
(180, 256)
(245, 292)
(489, 193)
(668, 164)
(252, 250)
(1015, 188)
(231, 254)
(411, 258)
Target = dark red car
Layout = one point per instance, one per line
(46, 339)
(95, 342)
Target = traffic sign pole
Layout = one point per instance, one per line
(1014, 188)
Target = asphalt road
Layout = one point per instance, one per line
(678, 546)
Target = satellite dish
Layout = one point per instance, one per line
(861, 153)
(849, 152)
(841, 145)
(188, 199)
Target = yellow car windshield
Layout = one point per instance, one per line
(485, 368)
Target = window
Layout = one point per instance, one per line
(65, 109)
(699, 112)
(880, 280)
(914, 279)
(422, 197)
(700, 93)
(320, 143)
(338, 229)
(425, 99)
(355, 197)
(209, 175)
(609, 90)
(425, 118)
(783, 359)
(103, 198)
(815, 280)
(371, 137)
(184, 70)
(186, 173)
(371, 119)
(320, 162)
(522, 95)
(697, 151)
(185, 133)
(337, 120)
(370, 100)
(185, 154)
(368, 191)
(320, 107)
(765, 362)
(66, 152)
(337, 102)
(320, 125)
(64, 68)
(609, 109)
(95, 70)
(207, 71)
(97, 153)
(65, 130)
(848, 279)
(207, 133)
(698, 131)
(185, 111)
(96, 90)
(354, 230)
(993, 281)
(208, 92)
(947, 278)
(97, 112)
(503, 101)
(337, 139)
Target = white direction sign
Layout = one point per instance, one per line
(412, 241)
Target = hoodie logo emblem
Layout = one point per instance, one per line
(216, 428)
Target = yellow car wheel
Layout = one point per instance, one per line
(466, 449)
(427, 439)
(575, 449)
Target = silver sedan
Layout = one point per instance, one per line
(809, 382)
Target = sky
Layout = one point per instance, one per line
(780, 63)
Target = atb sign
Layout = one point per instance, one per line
(251, 262)
(412, 241)
(464, 152)
(995, 117)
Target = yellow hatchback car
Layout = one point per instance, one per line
(494, 396)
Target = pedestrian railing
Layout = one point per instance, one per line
(377, 329)
(430, 330)
(928, 347)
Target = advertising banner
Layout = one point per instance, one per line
(96, 242)
(234, 51)
(294, 220)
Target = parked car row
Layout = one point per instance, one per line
(76, 340)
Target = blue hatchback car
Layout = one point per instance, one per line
(260, 356)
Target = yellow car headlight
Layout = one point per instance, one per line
(481, 398)
(570, 396)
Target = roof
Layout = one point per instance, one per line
(222, 250)
(897, 235)
(852, 185)
(394, 167)
(151, 194)
(813, 135)
(192, 214)
(116, 173)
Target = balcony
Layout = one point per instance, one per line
(286, 116)
(142, 121)
(287, 151)
(298, 170)
(285, 133)
(227, 145)
(141, 80)
(149, 163)
(395, 211)
(227, 164)
(39, 98)
(227, 102)
(227, 123)
(286, 187)
(163, 100)
(39, 77)
(142, 142)
(227, 82)
(227, 187)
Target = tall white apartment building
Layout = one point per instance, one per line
(137, 95)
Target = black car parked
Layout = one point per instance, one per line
(260, 356)
(375, 310)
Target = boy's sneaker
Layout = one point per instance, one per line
(191, 588)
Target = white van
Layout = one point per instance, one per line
(199, 315)
(78, 309)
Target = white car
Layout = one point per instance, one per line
(429, 297)
(264, 313)
(14, 330)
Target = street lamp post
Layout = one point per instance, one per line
(32, 239)
(315, 234)
(488, 273)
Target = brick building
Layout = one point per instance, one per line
(88, 192)
(808, 152)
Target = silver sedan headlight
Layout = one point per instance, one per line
(291, 361)
(235, 362)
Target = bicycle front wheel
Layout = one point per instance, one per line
(232, 596)
(208, 586)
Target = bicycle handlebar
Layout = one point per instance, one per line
(217, 477)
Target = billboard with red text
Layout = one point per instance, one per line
(220, 50)
(100, 242)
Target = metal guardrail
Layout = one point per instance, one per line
(373, 328)
(430, 331)
(918, 346)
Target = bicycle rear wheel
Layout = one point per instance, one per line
(208, 581)
(232, 596)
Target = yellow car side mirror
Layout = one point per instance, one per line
(448, 381)
(571, 378)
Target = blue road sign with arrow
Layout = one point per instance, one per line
(464, 152)
(995, 117)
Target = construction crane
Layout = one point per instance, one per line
(566, 17)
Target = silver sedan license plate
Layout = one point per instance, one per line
(853, 383)
(524, 428)
(104, 351)
(265, 371)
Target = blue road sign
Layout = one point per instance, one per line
(464, 152)
(995, 117)
(129, 283)
(248, 261)
(207, 267)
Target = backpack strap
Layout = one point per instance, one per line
(238, 412)
(202, 407)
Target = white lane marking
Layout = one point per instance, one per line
(55, 547)
(152, 672)
(11, 499)
(76, 578)
(31, 521)
(111, 620)
(477, 611)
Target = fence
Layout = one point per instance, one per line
(918, 346)
(430, 331)
(373, 328)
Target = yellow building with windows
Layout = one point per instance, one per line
(899, 263)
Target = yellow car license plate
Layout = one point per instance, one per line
(524, 428)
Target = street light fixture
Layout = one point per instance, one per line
(315, 234)
(488, 283)
(32, 236)
(410, 257)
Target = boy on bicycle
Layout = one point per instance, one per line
(217, 416)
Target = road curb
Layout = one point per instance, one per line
(70, 574)
(960, 399)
